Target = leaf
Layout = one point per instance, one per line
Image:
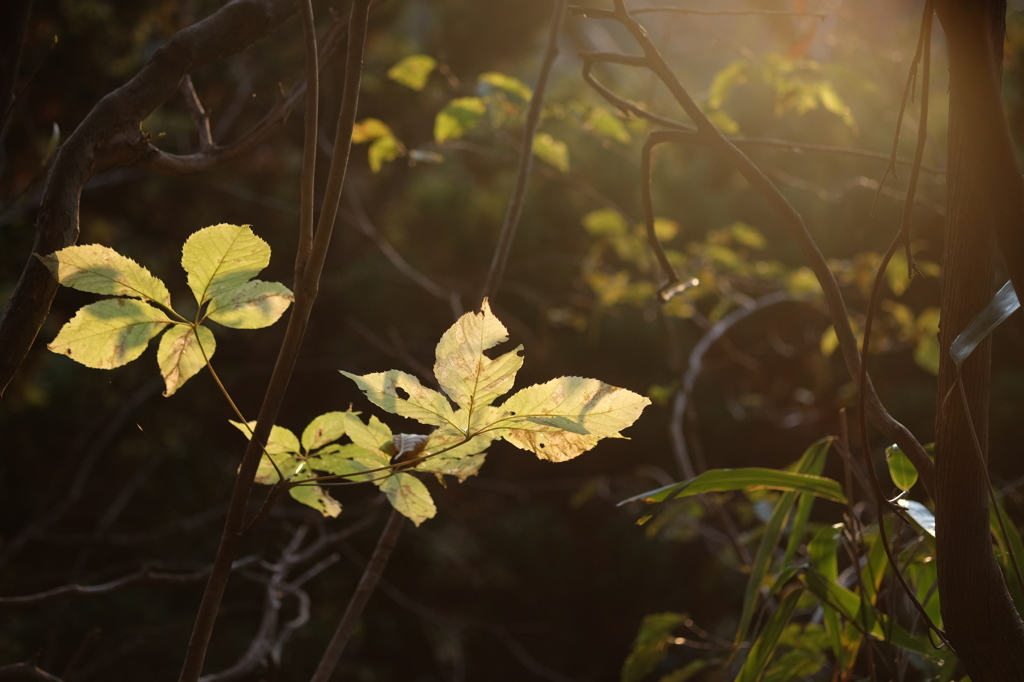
(565, 417)
(350, 461)
(1002, 305)
(450, 454)
(464, 373)
(457, 118)
(180, 357)
(902, 472)
(253, 305)
(382, 150)
(109, 333)
(369, 129)
(404, 395)
(651, 644)
(604, 123)
(375, 436)
(509, 84)
(751, 478)
(222, 257)
(413, 71)
(266, 472)
(552, 151)
(764, 646)
(101, 270)
(281, 441)
(605, 222)
(316, 497)
(409, 497)
(324, 429)
(921, 515)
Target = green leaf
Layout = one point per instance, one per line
(352, 461)
(253, 305)
(752, 478)
(109, 333)
(606, 124)
(374, 436)
(409, 497)
(764, 647)
(552, 151)
(565, 417)
(281, 441)
(457, 118)
(902, 472)
(605, 222)
(509, 84)
(651, 644)
(101, 270)
(221, 258)
(462, 370)
(382, 150)
(316, 497)
(324, 429)
(413, 71)
(385, 389)
(822, 551)
(370, 129)
(921, 515)
(180, 357)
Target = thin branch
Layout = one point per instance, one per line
(364, 590)
(610, 14)
(798, 230)
(310, 125)
(515, 204)
(306, 287)
(199, 114)
(26, 671)
(145, 575)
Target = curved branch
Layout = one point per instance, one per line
(110, 135)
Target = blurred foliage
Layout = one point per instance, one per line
(528, 571)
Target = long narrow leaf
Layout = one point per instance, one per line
(761, 653)
(752, 478)
(1002, 305)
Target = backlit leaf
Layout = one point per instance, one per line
(458, 118)
(180, 357)
(409, 497)
(764, 646)
(351, 461)
(222, 257)
(465, 374)
(606, 124)
(413, 71)
(552, 151)
(109, 333)
(382, 150)
(324, 429)
(1002, 305)
(564, 417)
(374, 436)
(507, 83)
(101, 270)
(902, 472)
(316, 497)
(281, 441)
(404, 395)
(369, 129)
(254, 305)
(448, 453)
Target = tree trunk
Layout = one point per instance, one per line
(980, 620)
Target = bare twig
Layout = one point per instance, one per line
(364, 590)
(26, 671)
(199, 114)
(515, 204)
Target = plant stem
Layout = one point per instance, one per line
(306, 286)
(364, 590)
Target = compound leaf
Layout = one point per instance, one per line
(565, 417)
(101, 270)
(465, 374)
(253, 305)
(109, 333)
(374, 436)
(350, 461)
(180, 356)
(409, 497)
(386, 390)
(324, 429)
(222, 257)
